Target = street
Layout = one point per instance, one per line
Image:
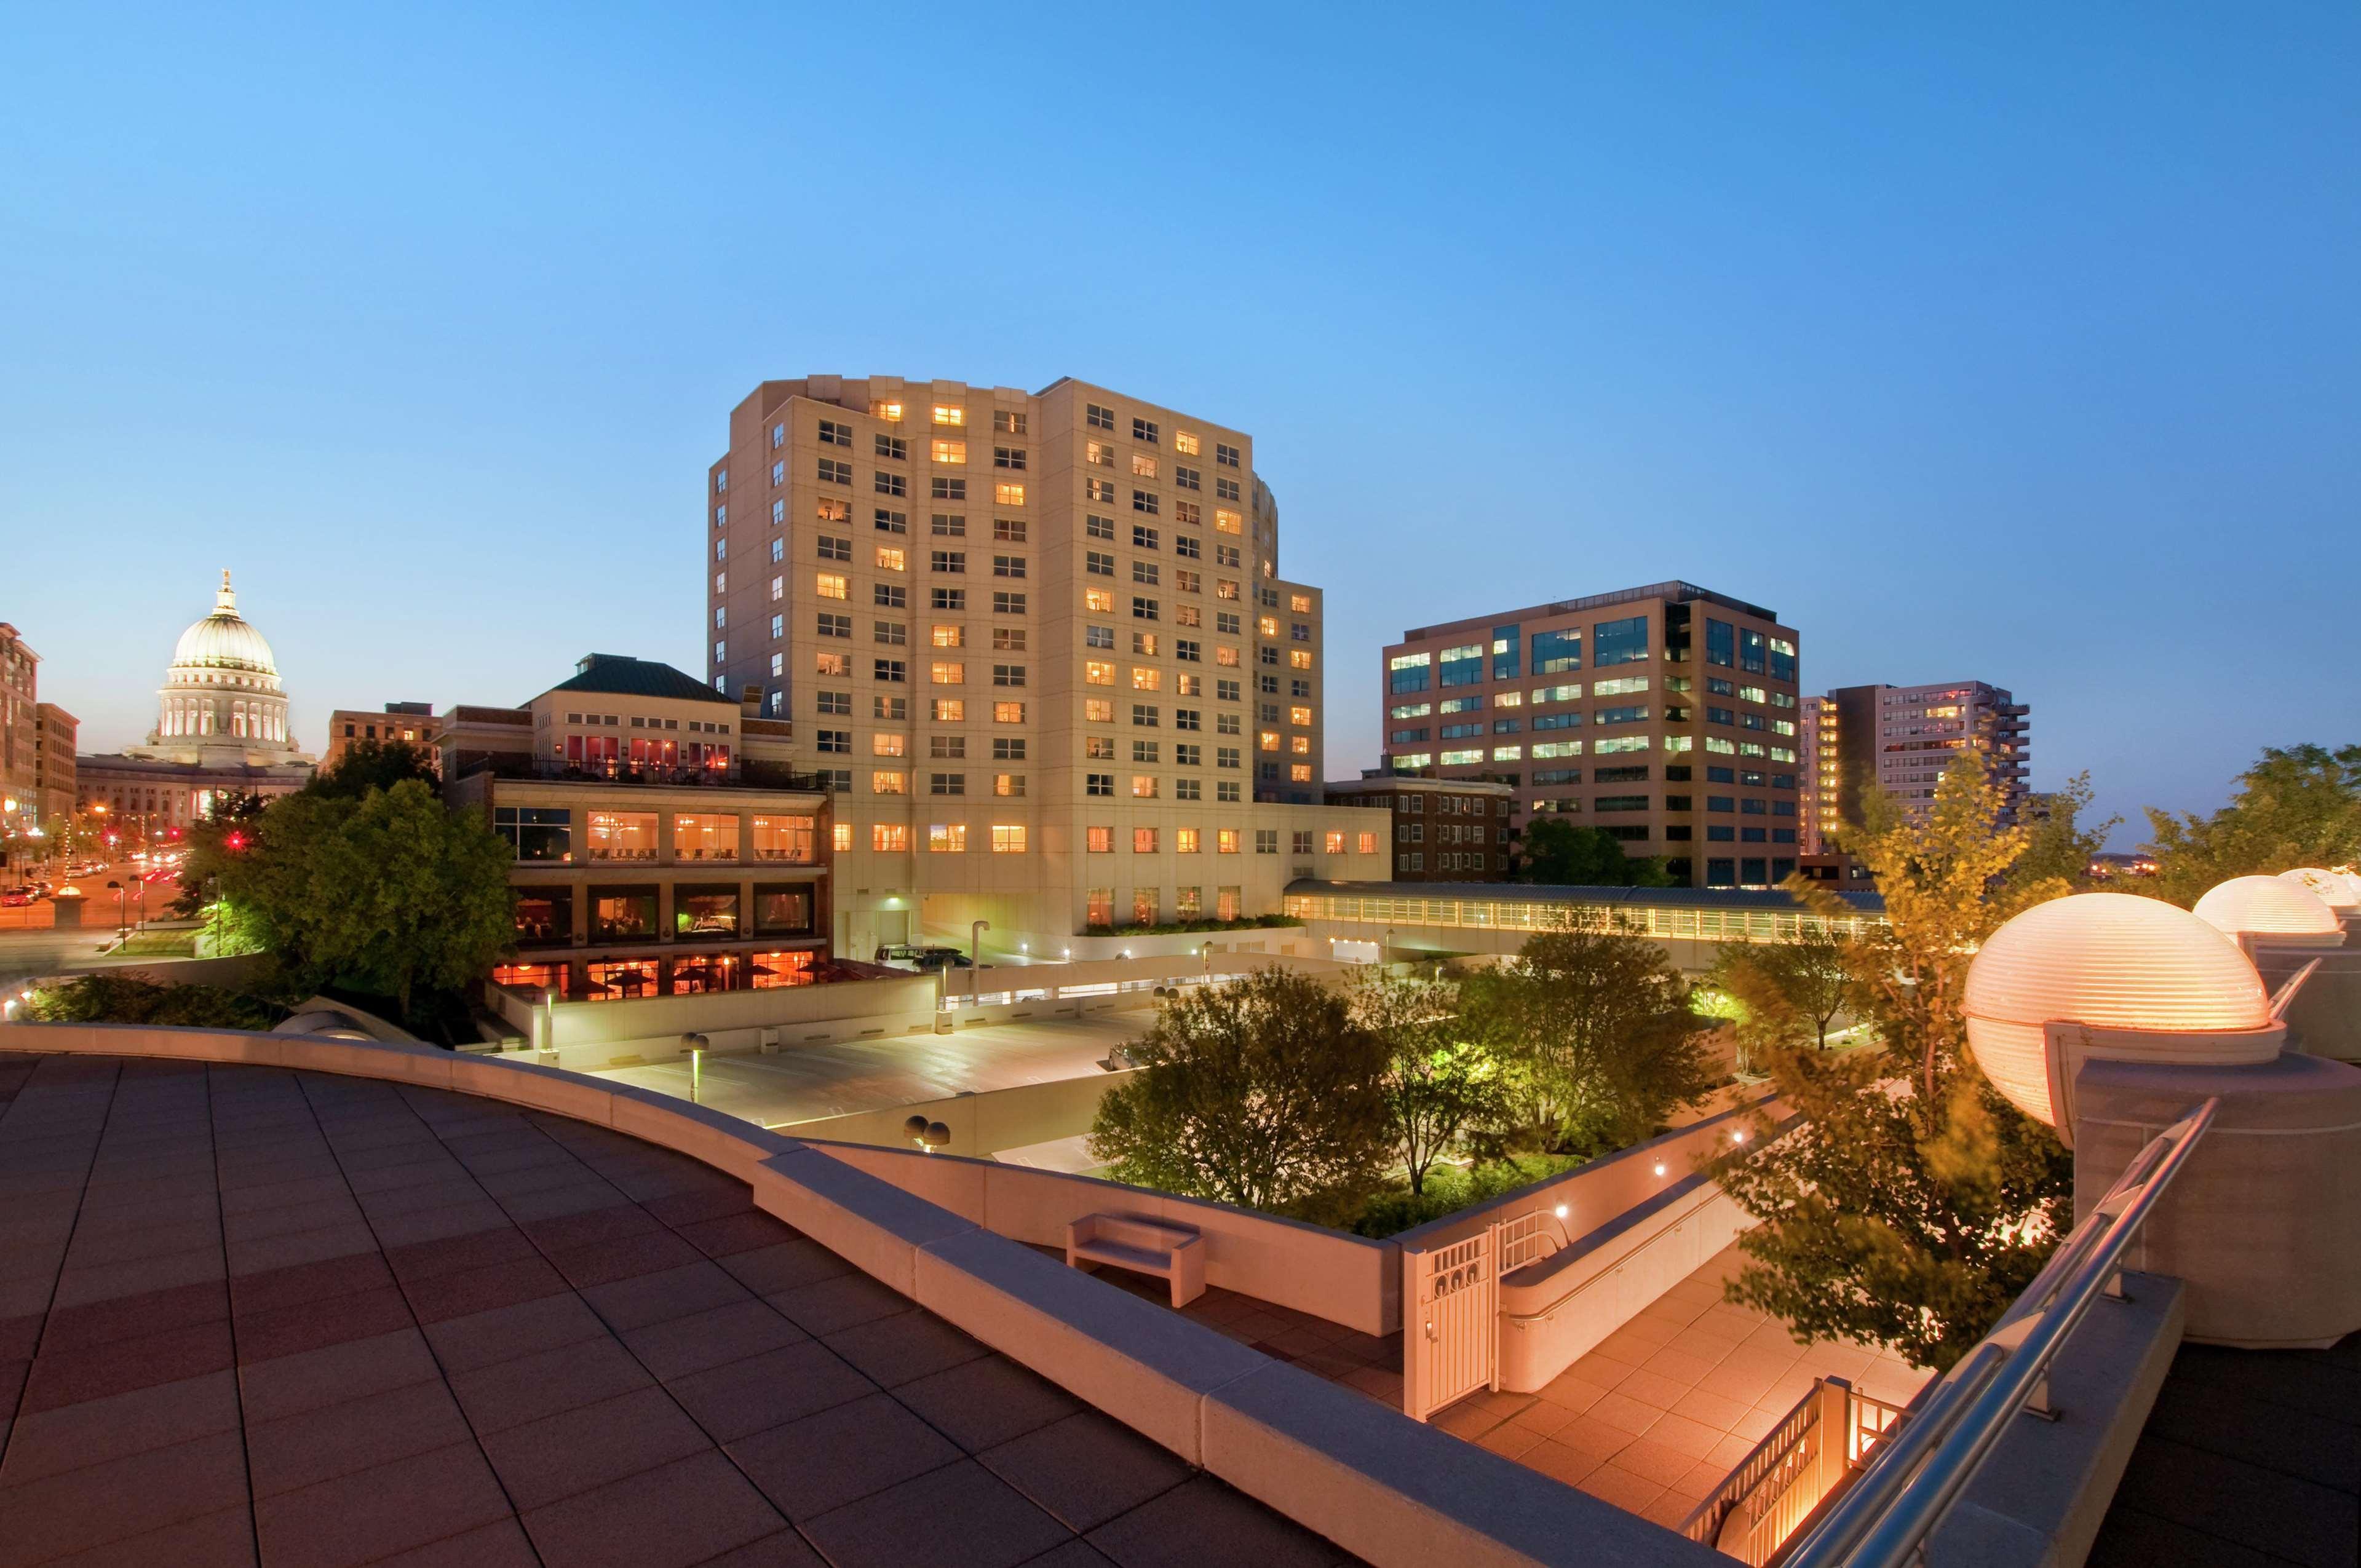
(99, 911)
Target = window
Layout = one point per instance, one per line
(889, 411)
(1143, 751)
(1008, 603)
(1007, 839)
(1098, 563)
(891, 521)
(1225, 521)
(1227, 489)
(943, 488)
(1143, 840)
(949, 525)
(1143, 714)
(947, 673)
(778, 549)
(942, 747)
(890, 483)
(950, 636)
(1009, 640)
(1007, 675)
(834, 549)
(1008, 566)
(1099, 491)
(946, 784)
(948, 598)
(1720, 648)
(834, 625)
(947, 838)
(1143, 466)
(835, 434)
(953, 452)
(1145, 501)
(890, 596)
(888, 838)
(891, 633)
(888, 782)
(832, 472)
(1098, 418)
(1226, 454)
(1008, 495)
(1186, 478)
(946, 415)
(1009, 422)
(947, 559)
(1143, 609)
(1098, 784)
(892, 448)
(889, 670)
(1143, 787)
(1144, 573)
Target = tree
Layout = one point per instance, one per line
(1914, 1203)
(1438, 1083)
(386, 892)
(2058, 847)
(377, 764)
(1792, 993)
(407, 894)
(1598, 1030)
(1563, 854)
(2300, 805)
(1264, 1092)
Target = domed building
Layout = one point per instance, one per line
(221, 731)
(221, 700)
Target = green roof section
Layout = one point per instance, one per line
(625, 676)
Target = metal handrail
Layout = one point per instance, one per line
(1885, 1518)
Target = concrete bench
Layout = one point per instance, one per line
(1144, 1245)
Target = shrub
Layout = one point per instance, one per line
(121, 999)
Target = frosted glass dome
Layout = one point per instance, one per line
(2112, 960)
(2279, 908)
(2334, 889)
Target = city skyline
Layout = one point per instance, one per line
(1982, 397)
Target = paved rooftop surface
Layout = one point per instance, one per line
(249, 1315)
(1668, 1404)
(873, 1074)
(2250, 1457)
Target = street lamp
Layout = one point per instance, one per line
(120, 930)
(975, 930)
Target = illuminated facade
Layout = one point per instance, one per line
(1039, 643)
(1900, 739)
(1668, 716)
(412, 723)
(20, 729)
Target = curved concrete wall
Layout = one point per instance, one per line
(1383, 1486)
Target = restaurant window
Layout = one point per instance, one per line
(705, 911)
(783, 838)
(704, 836)
(621, 981)
(622, 915)
(623, 836)
(536, 832)
(544, 916)
(1098, 907)
(783, 911)
(773, 970)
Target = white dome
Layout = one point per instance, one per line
(2109, 959)
(224, 640)
(2270, 907)
(2334, 889)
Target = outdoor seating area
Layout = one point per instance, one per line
(1143, 1246)
(671, 974)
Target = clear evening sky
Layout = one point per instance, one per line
(2012, 342)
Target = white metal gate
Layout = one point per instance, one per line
(1451, 1337)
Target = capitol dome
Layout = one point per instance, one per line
(224, 641)
(2115, 962)
(2278, 909)
(221, 702)
(2335, 889)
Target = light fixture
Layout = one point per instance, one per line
(1660, 1167)
(1562, 1211)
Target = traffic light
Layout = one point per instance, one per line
(235, 841)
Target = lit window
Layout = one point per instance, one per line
(1225, 842)
(1100, 600)
(947, 838)
(1143, 840)
(948, 673)
(1008, 495)
(889, 410)
(1101, 841)
(1227, 522)
(1184, 841)
(948, 451)
(1146, 680)
(950, 636)
(1303, 604)
(888, 782)
(1184, 444)
(829, 585)
(1301, 717)
(1268, 741)
(1098, 673)
(945, 414)
(1335, 842)
(949, 709)
(885, 837)
(885, 745)
(891, 560)
(1143, 466)
(1008, 840)
(1143, 787)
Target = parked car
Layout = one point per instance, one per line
(15, 897)
(926, 961)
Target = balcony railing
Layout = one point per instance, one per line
(1882, 1520)
(743, 775)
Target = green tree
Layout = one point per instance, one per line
(377, 764)
(2298, 805)
(1558, 853)
(1597, 1032)
(1438, 1083)
(1264, 1092)
(1791, 992)
(406, 895)
(1914, 1203)
(2058, 847)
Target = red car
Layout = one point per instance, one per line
(15, 897)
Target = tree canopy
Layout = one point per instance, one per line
(1265, 1091)
(1596, 1035)
(2298, 805)
(1438, 1084)
(1914, 1203)
(1564, 854)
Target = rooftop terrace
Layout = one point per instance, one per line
(250, 1315)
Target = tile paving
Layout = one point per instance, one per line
(253, 1316)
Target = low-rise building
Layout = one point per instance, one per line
(665, 844)
(54, 733)
(1443, 829)
(412, 723)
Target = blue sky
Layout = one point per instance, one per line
(2014, 343)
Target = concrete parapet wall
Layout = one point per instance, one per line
(980, 1124)
(1380, 1485)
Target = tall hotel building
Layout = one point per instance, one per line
(1666, 715)
(1898, 739)
(1040, 643)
